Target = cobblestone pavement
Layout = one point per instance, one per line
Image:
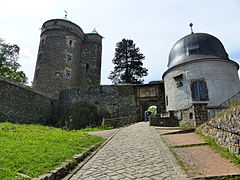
(135, 152)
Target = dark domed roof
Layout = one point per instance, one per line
(196, 46)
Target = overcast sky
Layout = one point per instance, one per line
(154, 25)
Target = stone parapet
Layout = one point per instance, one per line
(157, 120)
(120, 121)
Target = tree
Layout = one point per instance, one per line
(9, 66)
(128, 64)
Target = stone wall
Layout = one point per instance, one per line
(225, 129)
(157, 120)
(21, 104)
(193, 116)
(118, 101)
(120, 121)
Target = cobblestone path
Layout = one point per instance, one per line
(135, 152)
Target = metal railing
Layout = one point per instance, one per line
(224, 105)
(227, 103)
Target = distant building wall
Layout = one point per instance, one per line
(21, 104)
(118, 101)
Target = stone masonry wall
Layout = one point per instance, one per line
(21, 104)
(119, 121)
(193, 116)
(225, 129)
(118, 101)
(157, 120)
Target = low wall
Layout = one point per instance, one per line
(118, 101)
(157, 120)
(193, 116)
(225, 129)
(22, 104)
(120, 121)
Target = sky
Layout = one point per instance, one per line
(154, 26)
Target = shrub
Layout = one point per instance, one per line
(83, 114)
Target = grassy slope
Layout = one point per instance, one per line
(34, 149)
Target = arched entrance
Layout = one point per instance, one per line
(151, 110)
(150, 95)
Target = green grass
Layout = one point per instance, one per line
(97, 129)
(34, 150)
(234, 103)
(223, 151)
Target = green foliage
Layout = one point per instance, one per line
(34, 150)
(128, 64)
(223, 151)
(84, 114)
(155, 82)
(234, 103)
(153, 110)
(8, 62)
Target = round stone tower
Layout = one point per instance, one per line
(67, 57)
(199, 71)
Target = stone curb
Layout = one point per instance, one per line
(68, 168)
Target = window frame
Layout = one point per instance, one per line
(67, 73)
(70, 41)
(199, 90)
(67, 60)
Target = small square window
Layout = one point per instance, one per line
(70, 41)
(69, 58)
(179, 80)
(67, 73)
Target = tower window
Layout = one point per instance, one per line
(70, 41)
(68, 73)
(199, 90)
(69, 58)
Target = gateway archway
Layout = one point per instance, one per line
(150, 95)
